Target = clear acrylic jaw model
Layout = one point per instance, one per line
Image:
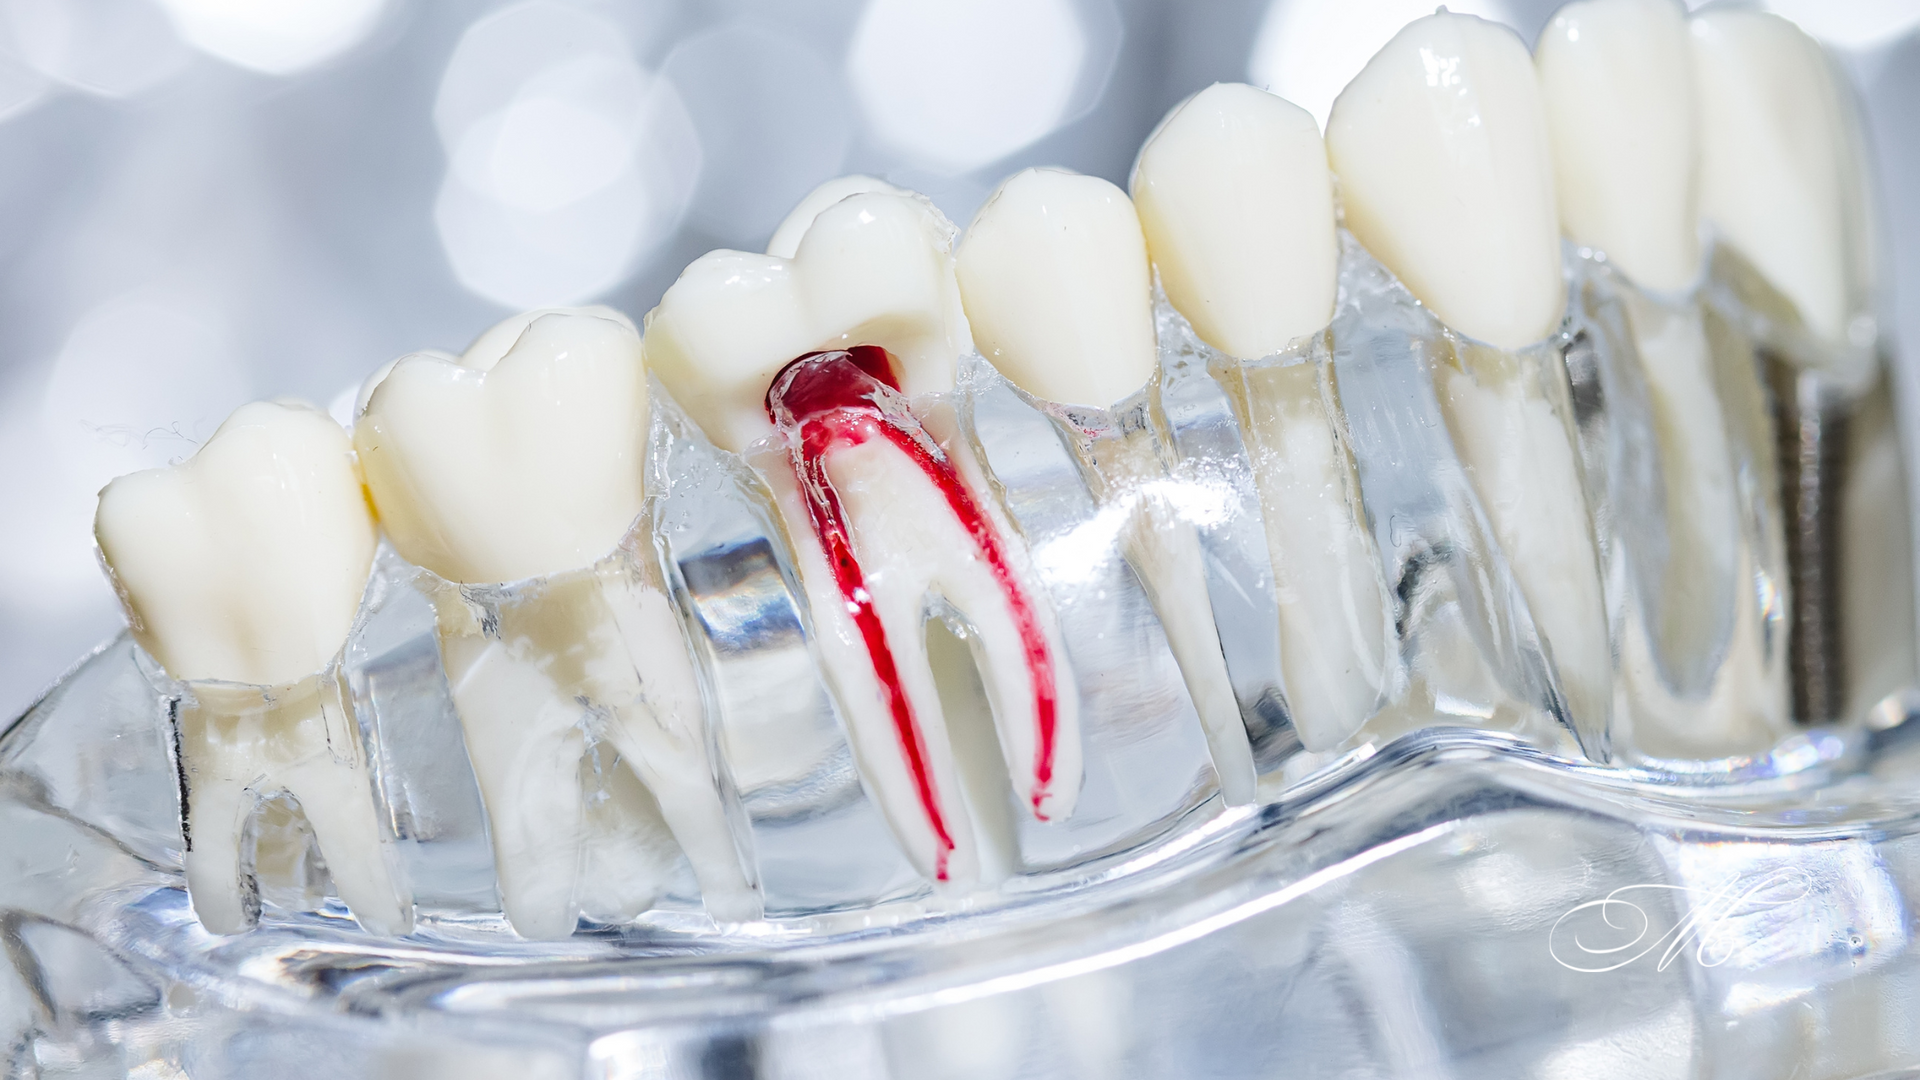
(1475, 849)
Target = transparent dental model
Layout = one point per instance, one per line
(783, 695)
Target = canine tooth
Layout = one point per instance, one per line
(1618, 85)
(1780, 169)
(882, 500)
(523, 463)
(1236, 202)
(785, 241)
(1440, 144)
(241, 570)
(1053, 273)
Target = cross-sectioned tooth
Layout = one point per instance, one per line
(1441, 148)
(1054, 275)
(841, 353)
(1236, 202)
(516, 478)
(241, 570)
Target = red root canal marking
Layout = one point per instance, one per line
(841, 399)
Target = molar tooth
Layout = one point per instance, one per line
(1781, 175)
(1440, 144)
(1236, 202)
(1617, 81)
(785, 242)
(1053, 272)
(515, 475)
(835, 350)
(241, 570)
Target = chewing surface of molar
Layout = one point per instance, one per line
(1697, 677)
(1236, 203)
(515, 476)
(1781, 177)
(241, 570)
(785, 241)
(1054, 275)
(883, 502)
(1440, 144)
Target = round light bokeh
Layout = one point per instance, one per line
(567, 160)
(113, 48)
(277, 37)
(956, 86)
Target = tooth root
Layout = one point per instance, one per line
(881, 520)
(1781, 170)
(1053, 274)
(1618, 85)
(515, 478)
(1236, 203)
(239, 746)
(1440, 144)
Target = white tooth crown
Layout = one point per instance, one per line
(1236, 203)
(516, 461)
(1781, 174)
(1054, 275)
(1618, 82)
(1440, 144)
(873, 269)
(785, 241)
(246, 562)
(241, 570)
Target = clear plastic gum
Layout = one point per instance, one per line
(1507, 821)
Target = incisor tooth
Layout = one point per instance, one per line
(1053, 273)
(1440, 144)
(785, 241)
(515, 475)
(1618, 84)
(1237, 205)
(1780, 165)
(241, 570)
(882, 501)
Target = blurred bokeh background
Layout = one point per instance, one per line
(208, 201)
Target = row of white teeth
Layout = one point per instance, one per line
(242, 568)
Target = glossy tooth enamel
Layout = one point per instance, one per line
(241, 570)
(1054, 275)
(1236, 202)
(874, 269)
(1618, 85)
(1780, 165)
(525, 460)
(785, 242)
(1618, 80)
(1440, 144)
(883, 503)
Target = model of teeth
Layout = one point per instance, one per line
(515, 476)
(1441, 148)
(1054, 275)
(1694, 655)
(832, 353)
(241, 570)
(1237, 206)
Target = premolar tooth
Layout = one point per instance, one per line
(1780, 164)
(1237, 205)
(516, 476)
(1440, 144)
(883, 507)
(241, 570)
(1053, 272)
(1617, 81)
